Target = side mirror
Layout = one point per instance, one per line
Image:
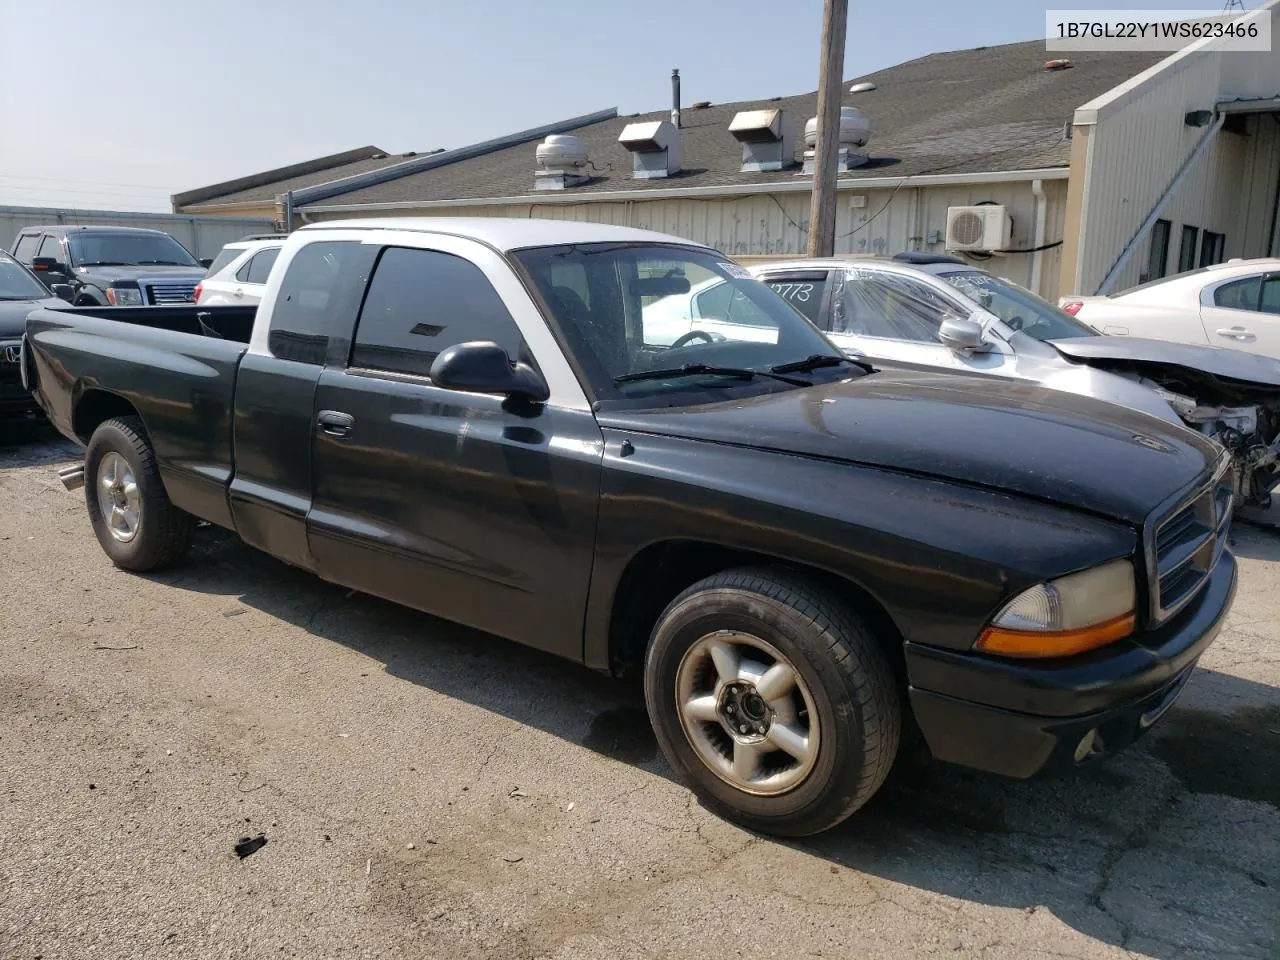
(483, 367)
(63, 291)
(46, 265)
(206, 262)
(961, 334)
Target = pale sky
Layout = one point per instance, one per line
(115, 104)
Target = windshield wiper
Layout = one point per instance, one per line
(106, 263)
(167, 263)
(816, 361)
(694, 369)
(34, 296)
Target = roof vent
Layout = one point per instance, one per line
(766, 140)
(562, 162)
(855, 131)
(655, 148)
(866, 86)
(701, 104)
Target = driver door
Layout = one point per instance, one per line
(889, 316)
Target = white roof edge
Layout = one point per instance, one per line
(1087, 114)
(504, 233)
(804, 185)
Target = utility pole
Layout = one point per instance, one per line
(822, 210)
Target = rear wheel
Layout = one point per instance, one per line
(772, 700)
(136, 525)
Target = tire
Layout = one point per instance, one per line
(161, 533)
(842, 676)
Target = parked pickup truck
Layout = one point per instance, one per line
(803, 555)
(116, 266)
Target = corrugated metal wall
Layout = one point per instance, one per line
(1140, 139)
(875, 221)
(203, 236)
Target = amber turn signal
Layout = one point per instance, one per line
(1035, 643)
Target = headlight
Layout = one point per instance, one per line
(124, 296)
(1069, 615)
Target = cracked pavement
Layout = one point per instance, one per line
(378, 751)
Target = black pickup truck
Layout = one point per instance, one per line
(115, 266)
(490, 420)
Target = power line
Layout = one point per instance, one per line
(99, 183)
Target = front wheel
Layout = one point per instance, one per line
(773, 701)
(136, 525)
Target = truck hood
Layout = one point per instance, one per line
(148, 271)
(1222, 362)
(1009, 436)
(13, 315)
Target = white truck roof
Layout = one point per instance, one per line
(506, 233)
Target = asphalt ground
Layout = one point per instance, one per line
(428, 791)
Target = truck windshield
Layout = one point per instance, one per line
(129, 250)
(646, 319)
(1018, 308)
(17, 284)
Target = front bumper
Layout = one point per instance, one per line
(1022, 717)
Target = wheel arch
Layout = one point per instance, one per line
(95, 406)
(659, 572)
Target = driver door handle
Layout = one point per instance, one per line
(335, 423)
(1235, 333)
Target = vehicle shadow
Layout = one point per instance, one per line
(1159, 850)
(33, 444)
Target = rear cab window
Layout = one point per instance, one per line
(318, 298)
(25, 248)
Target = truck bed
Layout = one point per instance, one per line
(223, 323)
(175, 367)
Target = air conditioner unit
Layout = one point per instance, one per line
(985, 227)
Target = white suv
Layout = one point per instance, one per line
(239, 272)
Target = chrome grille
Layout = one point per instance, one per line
(1187, 544)
(162, 293)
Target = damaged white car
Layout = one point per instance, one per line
(934, 311)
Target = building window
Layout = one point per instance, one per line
(1158, 257)
(1211, 248)
(1187, 252)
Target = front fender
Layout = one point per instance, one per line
(938, 557)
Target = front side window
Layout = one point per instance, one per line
(422, 301)
(873, 303)
(314, 298)
(656, 317)
(17, 284)
(1019, 308)
(129, 250)
(51, 247)
(1238, 294)
(1270, 302)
